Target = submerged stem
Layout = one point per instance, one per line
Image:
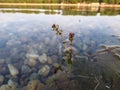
(63, 41)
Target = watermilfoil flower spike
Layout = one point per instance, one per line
(68, 50)
(71, 36)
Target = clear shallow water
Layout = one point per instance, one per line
(22, 35)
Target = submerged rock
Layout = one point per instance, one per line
(23, 80)
(2, 61)
(32, 56)
(43, 58)
(13, 42)
(32, 59)
(49, 60)
(62, 82)
(1, 79)
(5, 87)
(13, 70)
(56, 65)
(59, 49)
(34, 76)
(54, 58)
(35, 85)
(47, 40)
(32, 62)
(85, 47)
(44, 71)
(25, 69)
(12, 84)
(22, 88)
(53, 40)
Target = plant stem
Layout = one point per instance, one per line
(63, 41)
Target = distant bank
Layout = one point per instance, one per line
(61, 4)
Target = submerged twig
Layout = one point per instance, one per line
(98, 83)
(106, 49)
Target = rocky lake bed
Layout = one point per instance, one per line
(30, 51)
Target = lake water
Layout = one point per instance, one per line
(30, 50)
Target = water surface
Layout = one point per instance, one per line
(22, 35)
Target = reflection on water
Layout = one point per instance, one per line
(29, 50)
(63, 10)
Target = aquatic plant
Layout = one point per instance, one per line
(68, 50)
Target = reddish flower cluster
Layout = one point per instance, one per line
(53, 26)
(71, 36)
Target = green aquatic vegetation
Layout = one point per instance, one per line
(68, 50)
